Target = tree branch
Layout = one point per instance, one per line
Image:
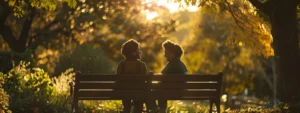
(4, 30)
(34, 40)
(16, 44)
(238, 23)
(264, 7)
(22, 41)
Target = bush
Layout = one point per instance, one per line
(33, 91)
(4, 97)
(29, 90)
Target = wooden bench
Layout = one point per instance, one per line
(147, 87)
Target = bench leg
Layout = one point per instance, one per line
(218, 105)
(210, 106)
(72, 107)
(76, 106)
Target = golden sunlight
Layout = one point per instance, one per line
(171, 6)
(150, 15)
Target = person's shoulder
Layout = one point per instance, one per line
(141, 62)
(177, 64)
(143, 66)
(121, 62)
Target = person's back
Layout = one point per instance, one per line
(132, 65)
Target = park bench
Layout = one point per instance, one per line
(147, 87)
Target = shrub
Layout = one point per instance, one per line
(4, 97)
(60, 98)
(29, 90)
(33, 91)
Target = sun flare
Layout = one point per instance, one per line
(171, 6)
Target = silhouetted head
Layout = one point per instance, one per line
(131, 49)
(172, 50)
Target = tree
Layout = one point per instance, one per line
(282, 16)
(207, 50)
(18, 42)
(105, 24)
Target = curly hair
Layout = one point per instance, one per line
(129, 47)
(173, 47)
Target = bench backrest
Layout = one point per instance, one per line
(110, 87)
(169, 87)
(185, 87)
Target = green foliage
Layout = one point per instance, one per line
(254, 110)
(104, 24)
(28, 89)
(213, 43)
(33, 91)
(60, 98)
(20, 6)
(247, 28)
(188, 106)
(86, 59)
(4, 99)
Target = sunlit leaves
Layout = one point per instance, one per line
(47, 58)
(71, 3)
(20, 7)
(17, 7)
(25, 92)
(217, 44)
(61, 83)
(45, 4)
(4, 99)
(243, 15)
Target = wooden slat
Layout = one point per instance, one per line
(186, 78)
(112, 77)
(122, 94)
(96, 86)
(116, 98)
(184, 86)
(179, 94)
(122, 85)
(137, 88)
(167, 86)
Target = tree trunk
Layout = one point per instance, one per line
(286, 45)
(273, 65)
(16, 44)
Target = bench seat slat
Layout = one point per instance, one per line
(126, 94)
